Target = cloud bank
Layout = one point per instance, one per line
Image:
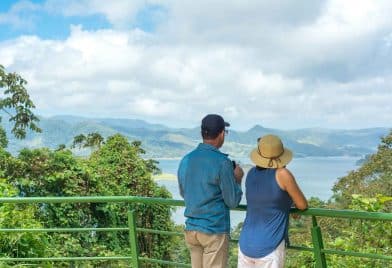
(286, 65)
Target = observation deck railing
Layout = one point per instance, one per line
(135, 260)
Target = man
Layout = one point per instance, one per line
(210, 184)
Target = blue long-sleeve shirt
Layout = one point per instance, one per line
(208, 186)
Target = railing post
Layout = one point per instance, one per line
(318, 245)
(133, 239)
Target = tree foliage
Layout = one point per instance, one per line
(17, 104)
(19, 216)
(93, 140)
(79, 141)
(114, 169)
(372, 178)
(369, 188)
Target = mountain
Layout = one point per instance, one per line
(161, 141)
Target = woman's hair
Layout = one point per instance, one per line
(260, 168)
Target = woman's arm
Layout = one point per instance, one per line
(287, 182)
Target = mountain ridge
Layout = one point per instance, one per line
(161, 141)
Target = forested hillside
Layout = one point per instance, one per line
(160, 141)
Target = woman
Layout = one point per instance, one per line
(271, 190)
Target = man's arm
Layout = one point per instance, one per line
(230, 183)
(180, 176)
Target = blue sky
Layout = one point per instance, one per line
(36, 18)
(283, 64)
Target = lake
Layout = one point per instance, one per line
(315, 176)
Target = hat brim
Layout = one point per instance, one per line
(279, 162)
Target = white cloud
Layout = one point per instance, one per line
(280, 64)
(255, 83)
(20, 15)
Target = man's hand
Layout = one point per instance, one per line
(238, 173)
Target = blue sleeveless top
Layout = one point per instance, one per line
(267, 215)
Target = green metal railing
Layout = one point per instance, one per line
(318, 248)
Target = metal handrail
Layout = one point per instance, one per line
(318, 249)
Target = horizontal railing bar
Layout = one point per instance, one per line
(176, 264)
(144, 230)
(348, 214)
(171, 202)
(87, 230)
(92, 199)
(53, 230)
(357, 254)
(300, 248)
(328, 251)
(66, 259)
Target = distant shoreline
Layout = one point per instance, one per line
(165, 158)
(165, 176)
(295, 156)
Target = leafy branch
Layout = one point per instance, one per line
(16, 99)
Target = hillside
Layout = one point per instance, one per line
(162, 141)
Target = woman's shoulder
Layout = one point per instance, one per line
(284, 172)
(284, 177)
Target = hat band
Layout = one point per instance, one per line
(271, 159)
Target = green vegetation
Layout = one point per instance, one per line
(369, 188)
(19, 216)
(372, 178)
(17, 104)
(92, 140)
(115, 166)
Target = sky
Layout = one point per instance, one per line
(278, 64)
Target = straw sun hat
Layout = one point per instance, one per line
(270, 153)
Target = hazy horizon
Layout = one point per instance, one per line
(197, 126)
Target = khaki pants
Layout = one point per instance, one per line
(208, 250)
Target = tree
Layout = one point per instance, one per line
(116, 168)
(368, 188)
(362, 235)
(19, 216)
(3, 138)
(93, 140)
(79, 141)
(119, 169)
(61, 147)
(18, 101)
(372, 178)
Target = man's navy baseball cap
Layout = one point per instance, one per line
(213, 124)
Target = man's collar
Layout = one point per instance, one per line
(210, 147)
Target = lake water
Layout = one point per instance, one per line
(315, 176)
